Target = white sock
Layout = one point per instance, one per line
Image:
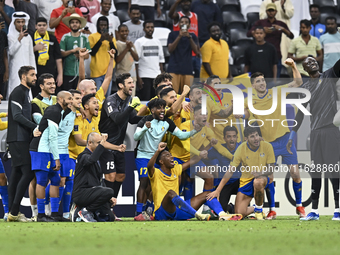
(297, 205)
(258, 207)
(34, 209)
(337, 210)
(315, 211)
(65, 214)
(273, 209)
(206, 208)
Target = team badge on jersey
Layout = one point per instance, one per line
(269, 96)
(110, 109)
(203, 134)
(261, 155)
(175, 176)
(163, 128)
(226, 105)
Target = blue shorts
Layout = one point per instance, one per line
(279, 146)
(142, 167)
(68, 166)
(161, 214)
(42, 161)
(248, 189)
(2, 169)
(43, 177)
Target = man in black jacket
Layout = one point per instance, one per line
(88, 194)
(20, 127)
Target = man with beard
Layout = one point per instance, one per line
(150, 64)
(150, 131)
(324, 137)
(40, 103)
(70, 45)
(118, 110)
(19, 131)
(215, 54)
(257, 159)
(20, 49)
(47, 54)
(45, 156)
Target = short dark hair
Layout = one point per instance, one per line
(159, 89)
(121, 79)
(229, 128)
(195, 86)
(209, 80)
(74, 91)
(259, 27)
(41, 19)
(43, 77)
(85, 100)
(254, 76)
(197, 108)
(164, 92)
(146, 22)
(24, 70)
(160, 78)
(156, 102)
(314, 6)
(306, 22)
(249, 130)
(331, 18)
(134, 7)
(214, 23)
(122, 25)
(184, 17)
(160, 155)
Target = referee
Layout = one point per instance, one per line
(19, 133)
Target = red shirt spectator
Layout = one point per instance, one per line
(56, 19)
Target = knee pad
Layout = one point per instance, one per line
(55, 178)
(42, 177)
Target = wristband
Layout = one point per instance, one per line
(292, 135)
(187, 99)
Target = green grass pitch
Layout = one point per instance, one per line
(285, 235)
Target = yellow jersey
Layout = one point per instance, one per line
(3, 124)
(214, 109)
(203, 138)
(83, 127)
(252, 161)
(272, 127)
(101, 97)
(161, 183)
(181, 148)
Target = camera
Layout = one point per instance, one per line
(70, 4)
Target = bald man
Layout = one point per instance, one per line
(91, 199)
(45, 156)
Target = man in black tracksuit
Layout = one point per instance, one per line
(88, 194)
(20, 127)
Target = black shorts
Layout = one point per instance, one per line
(325, 152)
(20, 153)
(112, 162)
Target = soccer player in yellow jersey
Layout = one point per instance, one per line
(277, 133)
(86, 86)
(218, 111)
(257, 159)
(165, 184)
(3, 177)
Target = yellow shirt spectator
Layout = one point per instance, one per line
(216, 53)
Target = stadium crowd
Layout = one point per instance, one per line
(70, 71)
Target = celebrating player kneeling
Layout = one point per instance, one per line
(257, 158)
(165, 188)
